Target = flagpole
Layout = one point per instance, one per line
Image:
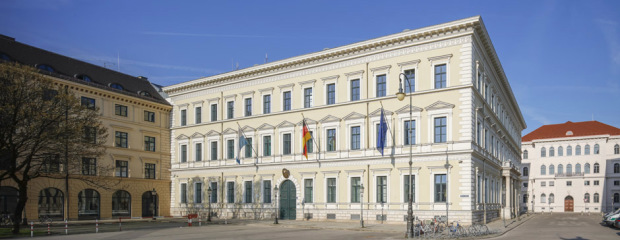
(253, 149)
(313, 140)
(385, 119)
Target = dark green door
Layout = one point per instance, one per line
(287, 200)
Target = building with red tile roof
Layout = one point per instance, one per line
(571, 129)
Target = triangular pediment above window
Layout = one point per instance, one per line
(247, 128)
(329, 118)
(406, 108)
(230, 131)
(265, 126)
(308, 121)
(439, 105)
(377, 113)
(182, 137)
(213, 133)
(353, 116)
(197, 135)
(286, 124)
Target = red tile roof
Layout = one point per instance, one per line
(589, 128)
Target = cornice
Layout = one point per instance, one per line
(331, 78)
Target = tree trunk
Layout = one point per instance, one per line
(21, 204)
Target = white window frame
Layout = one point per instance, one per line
(410, 65)
(373, 134)
(437, 170)
(286, 88)
(202, 192)
(327, 126)
(216, 102)
(404, 171)
(327, 81)
(264, 92)
(309, 175)
(326, 175)
(380, 173)
(311, 128)
(181, 143)
(380, 71)
(225, 195)
(183, 181)
(263, 178)
(196, 105)
(357, 75)
(261, 134)
(281, 132)
(304, 85)
(348, 125)
(210, 139)
(352, 174)
(181, 108)
(438, 60)
(194, 142)
(235, 147)
(435, 113)
(402, 117)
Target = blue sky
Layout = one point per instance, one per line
(562, 58)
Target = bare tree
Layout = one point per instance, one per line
(44, 132)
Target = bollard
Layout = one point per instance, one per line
(48, 229)
(199, 221)
(31, 229)
(96, 226)
(190, 222)
(120, 225)
(66, 227)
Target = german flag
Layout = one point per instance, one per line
(305, 137)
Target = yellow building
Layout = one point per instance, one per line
(464, 114)
(137, 118)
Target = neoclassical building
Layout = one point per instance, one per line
(464, 133)
(137, 149)
(571, 167)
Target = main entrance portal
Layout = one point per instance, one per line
(287, 200)
(568, 204)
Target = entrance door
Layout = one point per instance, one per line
(149, 204)
(568, 204)
(287, 200)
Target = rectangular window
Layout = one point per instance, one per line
(266, 146)
(286, 101)
(120, 139)
(440, 76)
(248, 191)
(149, 116)
(551, 183)
(198, 116)
(331, 93)
(50, 164)
(406, 186)
(183, 192)
(409, 132)
(543, 184)
(308, 188)
(88, 103)
(266, 104)
(248, 148)
(90, 135)
(586, 183)
(248, 107)
(213, 112)
(410, 81)
(89, 166)
(331, 140)
(230, 192)
(307, 97)
(183, 153)
(267, 191)
(230, 147)
(149, 171)
(213, 150)
(122, 169)
(183, 117)
(198, 192)
(596, 182)
(355, 138)
(440, 188)
(479, 135)
(331, 190)
(355, 189)
(213, 192)
(149, 144)
(381, 82)
(287, 144)
(381, 189)
(231, 109)
(310, 143)
(440, 130)
(355, 90)
(198, 153)
(569, 183)
(616, 183)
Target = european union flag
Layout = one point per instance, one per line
(382, 133)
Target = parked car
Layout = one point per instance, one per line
(617, 223)
(611, 219)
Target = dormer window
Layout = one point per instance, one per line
(5, 57)
(144, 93)
(117, 86)
(569, 133)
(45, 67)
(83, 77)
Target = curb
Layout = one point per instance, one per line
(510, 229)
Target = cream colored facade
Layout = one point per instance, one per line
(462, 47)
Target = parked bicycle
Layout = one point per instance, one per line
(6, 220)
(45, 219)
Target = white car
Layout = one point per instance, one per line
(610, 220)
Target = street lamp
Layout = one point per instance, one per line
(362, 205)
(209, 191)
(275, 192)
(401, 96)
(154, 194)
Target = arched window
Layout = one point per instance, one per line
(578, 150)
(88, 204)
(551, 169)
(616, 167)
(121, 203)
(560, 151)
(51, 203)
(560, 169)
(577, 168)
(526, 172)
(551, 198)
(117, 86)
(616, 197)
(525, 154)
(586, 198)
(586, 150)
(543, 198)
(551, 152)
(596, 198)
(543, 152)
(569, 151)
(617, 149)
(586, 169)
(45, 67)
(596, 149)
(596, 168)
(83, 77)
(8, 199)
(543, 170)
(569, 168)
(144, 93)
